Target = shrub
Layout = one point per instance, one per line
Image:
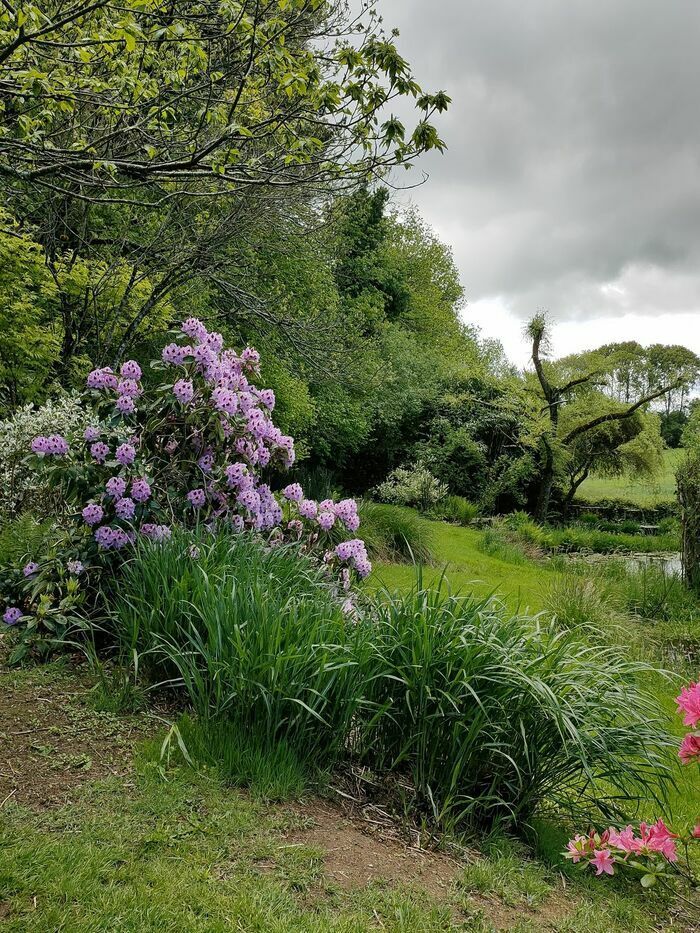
(413, 485)
(190, 451)
(21, 486)
(392, 533)
(457, 509)
(254, 634)
(490, 714)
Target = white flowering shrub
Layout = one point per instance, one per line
(413, 485)
(21, 486)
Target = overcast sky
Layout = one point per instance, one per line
(572, 177)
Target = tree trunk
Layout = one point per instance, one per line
(544, 493)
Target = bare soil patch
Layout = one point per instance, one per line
(52, 741)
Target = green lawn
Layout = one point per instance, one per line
(642, 492)
(522, 585)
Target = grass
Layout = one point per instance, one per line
(165, 852)
(643, 492)
(394, 533)
(253, 634)
(493, 714)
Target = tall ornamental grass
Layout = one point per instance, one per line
(485, 715)
(492, 715)
(395, 533)
(253, 633)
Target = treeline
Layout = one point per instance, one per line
(226, 161)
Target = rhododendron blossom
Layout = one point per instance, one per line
(690, 748)
(219, 430)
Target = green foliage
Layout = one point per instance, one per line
(253, 634)
(243, 759)
(413, 485)
(492, 714)
(29, 337)
(21, 486)
(457, 509)
(578, 602)
(493, 543)
(392, 533)
(22, 539)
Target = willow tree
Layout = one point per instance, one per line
(573, 440)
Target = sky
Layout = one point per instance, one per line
(571, 182)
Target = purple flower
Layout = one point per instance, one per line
(126, 454)
(193, 552)
(237, 523)
(131, 370)
(93, 513)
(235, 473)
(183, 390)
(155, 532)
(99, 451)
(125, 405)
(91, 433)
(363, 567)
(40, 445)
(140, 490)
(129, 387)
(176, 354)
(11, 615)
(55, 445)
(225, 400)
(308, 508)
(171, 446)
(30, 569)
(293, 492)
(116, 487)
(196, 497)
(58, 445)
(326, 520)
(125, 508)
(267, 397)
(206, 463)
(112, 538)
(251, 357)
(214, 341)
(102, 379)
(249, 499)
(194, 329)
(75, 567)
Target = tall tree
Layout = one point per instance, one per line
(159, 137)
(553, 441)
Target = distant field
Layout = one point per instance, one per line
(643, 493)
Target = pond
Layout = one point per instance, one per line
(668, 562)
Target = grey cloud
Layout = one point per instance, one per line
(574, 148)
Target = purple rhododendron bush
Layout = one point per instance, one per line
(649, 850)
(198, 450)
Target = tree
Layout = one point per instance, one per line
(149, 100)
(629, 446)
(164, 140)
(555, 442)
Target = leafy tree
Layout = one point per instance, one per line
(29, 339)
(630, 446)
(557, 442)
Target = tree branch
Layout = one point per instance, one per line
(618, 415)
